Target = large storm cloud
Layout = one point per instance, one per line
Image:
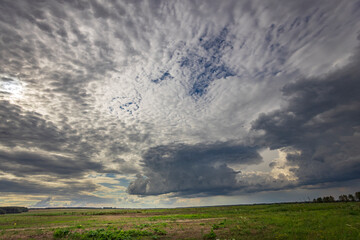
(319, 126)
(192, 170)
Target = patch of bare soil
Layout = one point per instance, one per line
(199, 220)
(114, 217)
(27, 235)
(188, 230)
(176, 229)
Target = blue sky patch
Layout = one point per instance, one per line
(205, 65)
(208, 68)
(165, 76)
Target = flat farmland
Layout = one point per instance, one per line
(276, 221)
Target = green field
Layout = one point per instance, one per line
(278, 221)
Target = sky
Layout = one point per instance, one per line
(178, 103)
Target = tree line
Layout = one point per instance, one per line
(5, 210)
(342, 198)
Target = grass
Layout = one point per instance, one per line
(277, 221)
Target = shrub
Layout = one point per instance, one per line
(79, 226)
(101, 234)
(210, 236)
(61, 233)
(159, 231)
(220, 225)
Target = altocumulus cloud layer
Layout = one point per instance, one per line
(106, 101)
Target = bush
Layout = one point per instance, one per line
(210, 235)
(159, 231)
(215, 226)
(61, 233)
(220, 225)
(101, 234)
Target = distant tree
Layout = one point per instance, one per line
(319, 200)
(328, 199)
(2, 211)
(357, 196)
(343, 198)
(351, 198)
(13, 209)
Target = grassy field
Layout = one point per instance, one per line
(277, 221)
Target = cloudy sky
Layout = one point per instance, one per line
(178, 103)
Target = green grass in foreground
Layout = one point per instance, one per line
(278, 221)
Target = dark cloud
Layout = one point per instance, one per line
(192, 169)
(76, 192)
(6, 80)
(33, 163)
(28, 129)
(25, 128)
(27, 186)
(37, 146)
(319, 127)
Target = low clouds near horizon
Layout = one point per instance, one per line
(122, 102)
